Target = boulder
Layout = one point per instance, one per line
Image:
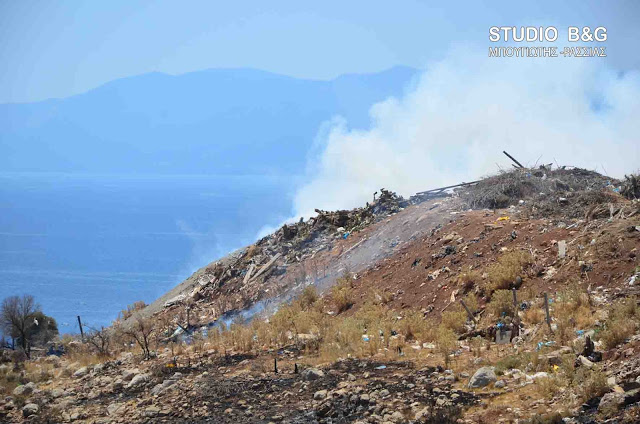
(24, 389)
(611, 402)
(320, 395)
(483, 377)
(129, 374)
(115, 409)
(56, 393)
(138, 380)
(81, 372)
(311, 374)
(151, 411)
(159, 388)
(30, 409)
(423, 414)
(585, 362)
(500, 384)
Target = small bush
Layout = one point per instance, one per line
(533, 315)
(510, 266)
(591, 383)
(616, 332)
(621, 323)
(501, 302)
(455, 319)
(308, 297)
(551, 418)
(469, 279)
(414, 327)
(342, 294)
(382, 297)
(446, 342)
(510, 362)
(549, 387)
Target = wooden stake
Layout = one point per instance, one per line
(81, 331)
(516, 317)
(546, 307)
(275, 365)
(468, 311)
(513, 159)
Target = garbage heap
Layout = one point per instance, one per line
(240, 277)
(548, 191)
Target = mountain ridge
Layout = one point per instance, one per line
(228, 119)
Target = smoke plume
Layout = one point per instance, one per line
(467, 109)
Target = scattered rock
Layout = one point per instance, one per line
(483, 377)
(24, 389)
(320, 395)
(138, 380)
(81, 372)
(611, 402)
(115, 409)
(311, 374)
(30, 409)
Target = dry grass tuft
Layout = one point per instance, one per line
(342, 294)
(510, 266)
(446, 342)
(621, 323)
(501, 303)
(455, 319)
(572, 310)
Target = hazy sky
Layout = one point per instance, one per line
(56, 49)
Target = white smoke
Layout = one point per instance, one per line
(464, 112)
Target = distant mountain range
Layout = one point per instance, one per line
(220, 121)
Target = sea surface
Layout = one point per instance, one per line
(89, 245)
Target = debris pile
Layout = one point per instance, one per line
(245, 271)
(631, 187)
(544, 191)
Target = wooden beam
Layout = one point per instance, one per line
(513, 159)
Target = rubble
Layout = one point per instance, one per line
(545, 192)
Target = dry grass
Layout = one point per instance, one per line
(621, 323)
(503, 273)
(590, 383)
(533, 315)
(468, 280)
(501, 303)
(342, 294)
(572, 310)
(455, 319)
(550, 387)
(309, 296)
(373, 329)
(446, 342)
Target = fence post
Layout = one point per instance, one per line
(546, 308)
(468, 311)
(81, 331)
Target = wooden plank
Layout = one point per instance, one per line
(247, 276)
(266, 267)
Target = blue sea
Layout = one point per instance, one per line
(89, 245)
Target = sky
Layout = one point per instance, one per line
(57, 49)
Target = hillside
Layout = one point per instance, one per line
(401, 311)
(153, 123)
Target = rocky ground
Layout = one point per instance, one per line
(420, 255)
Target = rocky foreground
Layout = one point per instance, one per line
(390, 342)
